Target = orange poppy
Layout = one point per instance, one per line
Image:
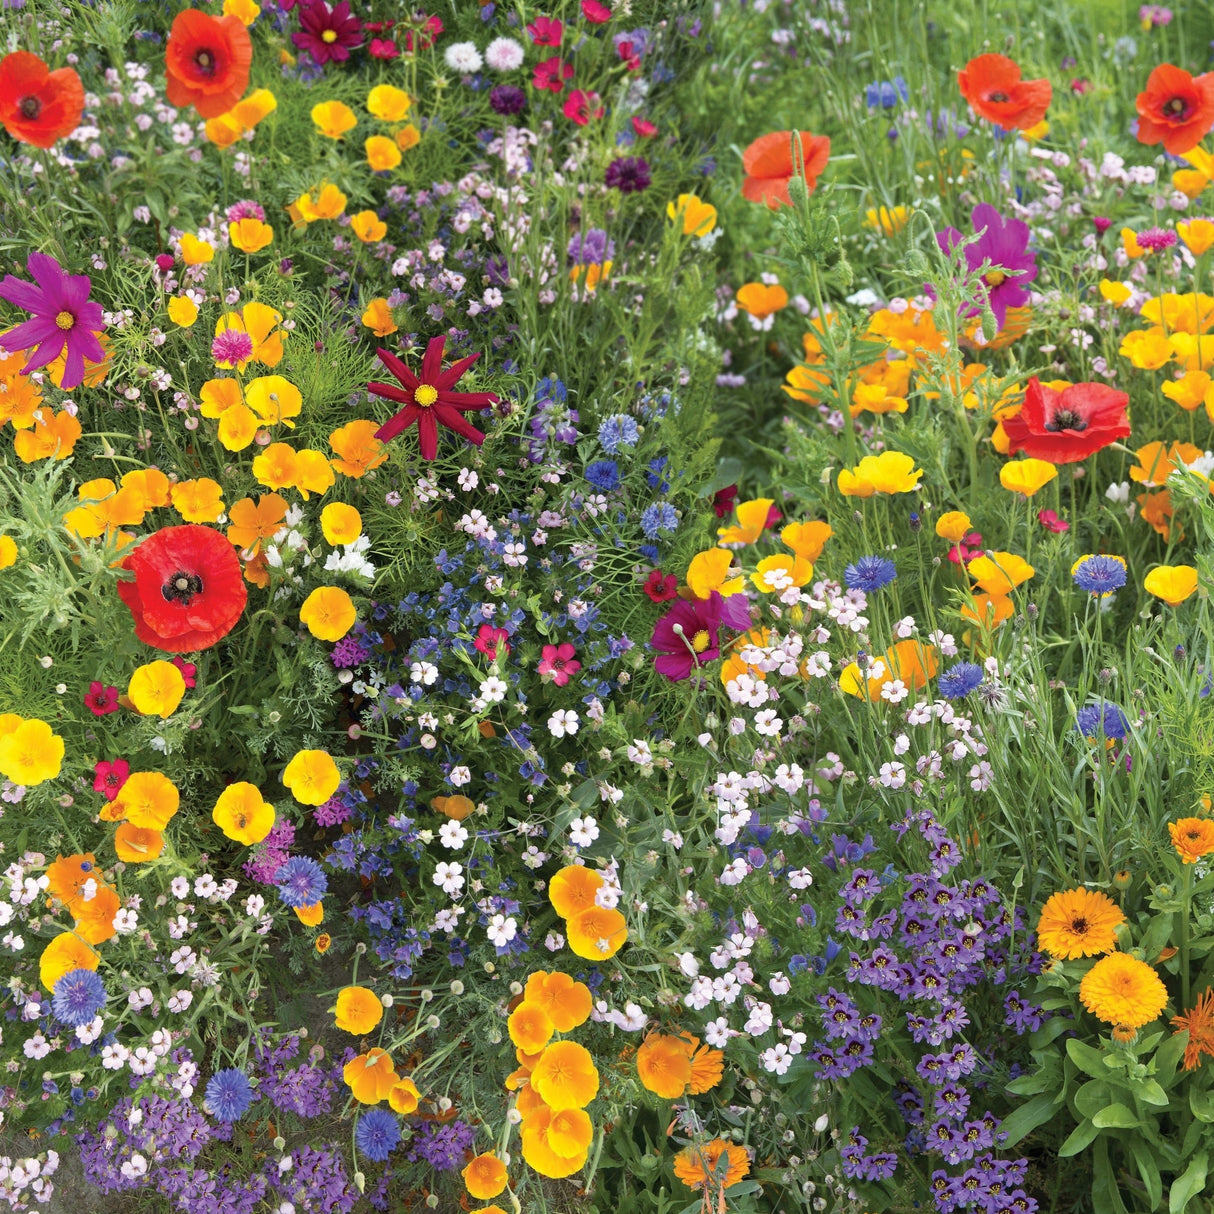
(95, 918)
(370, 1076)
(1176, 109)
(38, 106)
(67, 877)
(992, 86)
(137, 844)
(567, 1003)
(357, 448)
(573, 889)
(251, 522)
(769, 166)
(206, 62)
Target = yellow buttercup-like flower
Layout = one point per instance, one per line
(274, 399)
(1171, 583)
(359, 1010)
(243, 814)
(148, 799)
(696, 216)
(368, 227)
(889, 472)
(198, 501)
(183, 311)
(250, 235)
(156, 689)
(195, 252)
(312, 777)
(387, 103)
(341, 524)
(889, 221)
(1027, 475)
(378, 318)
(333, 119)
(329, 613)
(382, 153)
(1146, 350)
(954, 526)
(30, 752)
(326, 203)
(8, 551)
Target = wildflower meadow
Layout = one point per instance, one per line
(605, 606)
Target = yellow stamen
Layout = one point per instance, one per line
(995, 278)
(700, 641)
(425, 395)
(329, 36)
(65, 321)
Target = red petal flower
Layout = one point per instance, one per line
(768, 164)
(36, 105)
(206, 62)
(428, 399)
(188, 591)
(1176, 109)
(1068, 426)
(992, 86)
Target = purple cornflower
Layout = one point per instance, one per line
(328, 33)
(62, 318)
(507, 99)
(229, 1094)
(959, 680)
(1100, 574)
(591, 247)
(1004, 244)
(628, 174)
(378, 1134)
(78, 996)
(301, 882)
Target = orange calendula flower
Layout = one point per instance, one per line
(707, 1069)
(359, 1010)
(698, 1166)
(370, 1076)
(1121, 990)
(1193, 838)
(1199, 1024)
(1078, 923)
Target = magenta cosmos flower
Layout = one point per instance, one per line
(62, 317)
(328, 33)
(689, 634)
(428, 398)
(1004, 244)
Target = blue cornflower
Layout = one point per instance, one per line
(886, 93)
(78, 996)
(1099, 574)
(604, 474)
(618, 430)
(378, 1134)
(870, 573)
(959, 680)
(661, 516)
(301, 882)
(1094, 718)
(654, 475)
(229, 1094)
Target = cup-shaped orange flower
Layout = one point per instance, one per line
(66, 952)
(530, 1027)
(95, 918)
(664, 1065)
(889, 472)
(312, 777)
(404, 1097)
(485, 1176)
(695, 216)
(357, 449)
(568, 1003)
(761, 299)
(359, 1010)
(596, 933)
(371, 1076)
(993, 87)
(565, 1076)
(549, 1138)
(1171, 583)
(243, 814)
(38, 106)
(68, 876)
(769, 165)
(250, 235)
(206, 62)
(30, 753)
(148, 799)
(156, 689)
(1027, 475)
(329, 613)
(137, 844)
(573, 889)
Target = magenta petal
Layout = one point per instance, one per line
(432, 361)
(402, 396)
(398, 368)
(31, 333)
(23, 294)
(48, 274)
(452, 375)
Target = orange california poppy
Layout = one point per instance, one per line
(1176, 109)
(67, 877)
(37, 105)
(573, 889)
(137, 844)
(992, 86)
(769, 166)
(206, 62)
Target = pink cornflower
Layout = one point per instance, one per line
(62, 318)
(559, 662)
(1051, 522)
(231, 347)
(109, 777)
(246, 208)
(644, 128)
(489, 638)
(101, 700)
(1154, 239)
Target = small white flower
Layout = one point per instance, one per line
(460, 776)
(463, 57)
(180, 887)
(563, 723)
(449, 877)
(493, 690)
(453, 835)
(501, 930)
(583, 831)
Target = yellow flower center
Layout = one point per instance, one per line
(425, 395)
(995, 278)
(64, 321)
(329, 36)
(700, 641)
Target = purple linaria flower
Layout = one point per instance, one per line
(62, 318)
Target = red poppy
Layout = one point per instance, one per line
(428, 400)
(101, 699)
(661, 588)
(769, 166)
(188, 592)
(37, 105)
(992, 86)
(1068, 426)
(206, 62)
(1176, 110)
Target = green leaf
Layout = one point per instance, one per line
(1149, 1171)
(1106, 1192)
(1188, 1184)
(1026, 1118)
(1088, 1059)
(1202, 1104)
(1156, 936)
(1093, 1097)
(1150, 1091)
(1080, 1137)
(1115, 1116)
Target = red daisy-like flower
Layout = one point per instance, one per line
(188, 590)
(660, 588)
(101, 700)
(428, 399)
(109, 777)
(328, 33)
(1066, 427)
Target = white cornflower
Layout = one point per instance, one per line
(463, 57)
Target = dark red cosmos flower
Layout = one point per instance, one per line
(101, 699)
(37, 105)
(206, 62)
(108, 778)
(188, 590)
(428, 399)
(661, 588)
(1176, 109)
(328, 33)
(1066, 427)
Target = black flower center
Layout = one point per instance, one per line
(1176, 108)
(1067, 419)
(999, 98)
(30, 107)
(1079, 926)
(181, 588)
(204, 61)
